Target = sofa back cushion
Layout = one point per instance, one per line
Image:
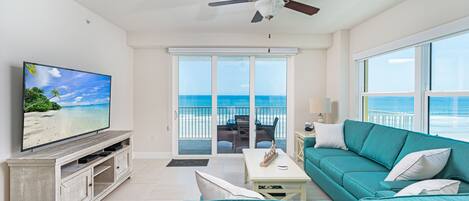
(457, 166)
(384, 144)
(355, 133)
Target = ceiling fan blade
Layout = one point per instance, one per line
(228, 2)
(257, 17)
(300, 7)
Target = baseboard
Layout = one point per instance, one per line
(152, 155)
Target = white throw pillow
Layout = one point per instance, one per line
(420, 165)
(214, 188)
(431, 187)
(329, 136)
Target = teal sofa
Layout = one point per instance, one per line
(373, 150)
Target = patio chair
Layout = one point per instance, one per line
(241, 118)
(242, 138)
(266, 132)
(227, 134)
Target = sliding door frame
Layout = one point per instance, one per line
(214, 61)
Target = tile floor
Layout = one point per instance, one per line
(152, 180)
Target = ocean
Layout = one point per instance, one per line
(438, 105)
(448, 116)
(231, 101)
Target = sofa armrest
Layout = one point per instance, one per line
(395, 185)
(309, 142)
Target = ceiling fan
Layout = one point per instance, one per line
(269, 8)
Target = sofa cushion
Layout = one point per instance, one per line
(364, 184)
(336, 167)
(431, 187)
(383, 194)
(355, 133)
(384, 144)
(315, 155)
(456, 167)
(463, 187)
(396, 185)
(458, 197)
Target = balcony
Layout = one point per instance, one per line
(195, 126)
(394, 119)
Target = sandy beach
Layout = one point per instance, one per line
(50, 126)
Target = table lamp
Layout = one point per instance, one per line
(320, 106)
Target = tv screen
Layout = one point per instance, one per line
(60, 103)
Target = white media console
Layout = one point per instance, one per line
(54, 174)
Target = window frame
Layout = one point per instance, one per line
(416, 94)
(423, 82)
(437, 93)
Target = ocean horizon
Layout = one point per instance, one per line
(448, 116)
(231, 101)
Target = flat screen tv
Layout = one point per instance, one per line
(61, 103)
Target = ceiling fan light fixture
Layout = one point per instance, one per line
(269, 8)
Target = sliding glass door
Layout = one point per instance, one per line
(232, 104)
(271, 101)
(195, 105)
(229, 103)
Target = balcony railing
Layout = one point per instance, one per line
(393, 119)
(195, 122)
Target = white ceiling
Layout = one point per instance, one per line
(194, 16)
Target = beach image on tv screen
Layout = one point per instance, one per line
(60, 103)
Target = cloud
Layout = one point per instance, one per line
(78, 99)
(42, 77)
(55, 72)
(64, 87)
(401, 60)
(67, 95)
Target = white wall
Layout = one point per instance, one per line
(337, 76)
(152, 104)
(152, 89)
(159, 40)
(54, 32)
(310, 81)
(407, 18)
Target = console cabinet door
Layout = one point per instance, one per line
(78, 188)
(122, 163)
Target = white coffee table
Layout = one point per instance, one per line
(293, 180)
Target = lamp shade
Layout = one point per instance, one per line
(319, 105)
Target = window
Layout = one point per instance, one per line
(388, 89)
(423, 88)
(448, 97)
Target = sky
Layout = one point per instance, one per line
(232, 76)
(394, 72)
(75, 88)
